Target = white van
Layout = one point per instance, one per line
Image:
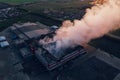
(2, 38)
(4, 44)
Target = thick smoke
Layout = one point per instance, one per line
(99, 20)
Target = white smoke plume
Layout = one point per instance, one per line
(99, 20)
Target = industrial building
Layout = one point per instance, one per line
(27, 43)
(29, 30)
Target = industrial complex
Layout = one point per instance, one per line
(25, 38)
(59, 40)
(33, 61)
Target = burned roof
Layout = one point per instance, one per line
(53, 60)
(53, 57)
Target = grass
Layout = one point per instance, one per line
(17, 1)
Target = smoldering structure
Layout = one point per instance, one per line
(54, 47)
(98, 21)
(52, 55)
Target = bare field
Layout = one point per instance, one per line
(55, 5)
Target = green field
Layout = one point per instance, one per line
(17, 1)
